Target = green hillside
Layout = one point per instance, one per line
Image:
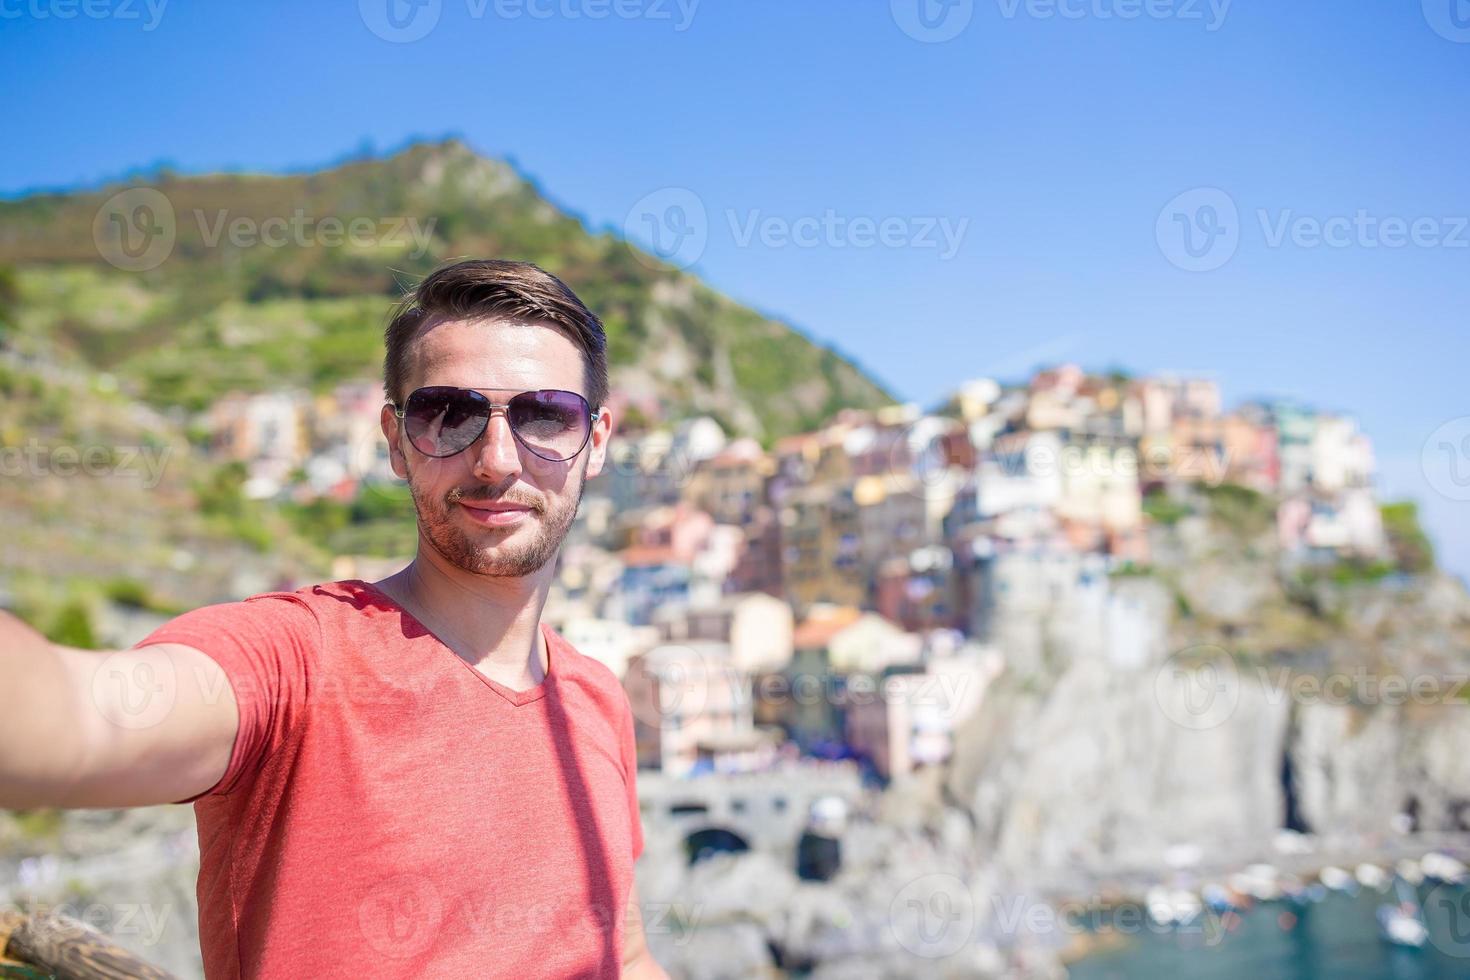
(289, 304)
(117, 362)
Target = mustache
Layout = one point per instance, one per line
(488, 495)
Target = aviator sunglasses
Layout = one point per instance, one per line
(442, 420)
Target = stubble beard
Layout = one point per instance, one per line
(488, 551)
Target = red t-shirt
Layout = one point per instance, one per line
(390, 811)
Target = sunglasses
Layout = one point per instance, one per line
(441, 420)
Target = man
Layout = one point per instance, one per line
(412, 777)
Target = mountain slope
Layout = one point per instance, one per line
(250, 281)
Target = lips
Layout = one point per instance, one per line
(495, 513)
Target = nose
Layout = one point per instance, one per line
(499, 454)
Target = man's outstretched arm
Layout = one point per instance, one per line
(638, 962)
(82, 728)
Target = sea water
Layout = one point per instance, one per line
(1335, 939)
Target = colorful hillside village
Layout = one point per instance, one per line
(848, 593)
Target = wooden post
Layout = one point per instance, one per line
(66, 949)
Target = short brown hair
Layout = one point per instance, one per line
(479, 289)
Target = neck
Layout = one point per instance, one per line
(492, 623)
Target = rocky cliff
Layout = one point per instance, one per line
(1273, 697)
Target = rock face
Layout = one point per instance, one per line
(129, 873)
(1278, 701)
(908, 902)
(1360, 767)
(1102, 771)
(1105, 770)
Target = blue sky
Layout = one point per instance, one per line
(1052, 138)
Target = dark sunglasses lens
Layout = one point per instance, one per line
(552, 424)
(442, 421)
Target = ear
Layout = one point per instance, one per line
(597, 444)
(390, 425)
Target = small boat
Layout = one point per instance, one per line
(1442, 867)
(1259, 881)
(1401, 928)
(1159, 907)
(1371, 876)
(1186, 906)
(1402, 924)
(1218, 898)
(1408, 869)
(1176, 907)
(1337, 879)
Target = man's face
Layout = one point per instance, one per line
(514, 356)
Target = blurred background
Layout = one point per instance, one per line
(1036, 535)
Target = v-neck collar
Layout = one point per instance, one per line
(516, 698)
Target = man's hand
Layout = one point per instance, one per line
(638, 962)
(83, 728)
